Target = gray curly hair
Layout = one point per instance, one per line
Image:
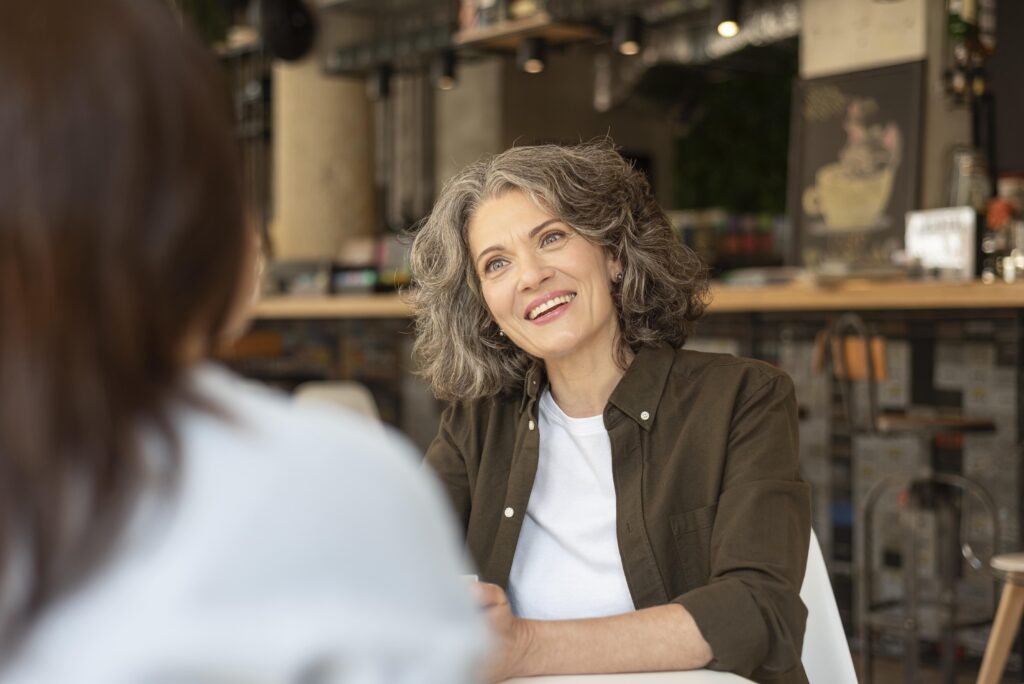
(458, 349)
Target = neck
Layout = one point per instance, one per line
(581, 387)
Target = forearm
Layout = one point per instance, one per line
(660, 638)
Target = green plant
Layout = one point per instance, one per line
(735, 152)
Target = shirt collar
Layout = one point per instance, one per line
(533, 385)
(638, 392)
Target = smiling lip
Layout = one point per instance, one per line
(547, 298)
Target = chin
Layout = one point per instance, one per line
(557, 351)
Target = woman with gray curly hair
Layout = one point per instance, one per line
(630, 505)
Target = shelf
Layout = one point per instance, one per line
(507, 35)
(375, 7)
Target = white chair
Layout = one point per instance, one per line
(826, 653)
(348, 394)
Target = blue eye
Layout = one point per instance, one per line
(494, 264)
(552, 237)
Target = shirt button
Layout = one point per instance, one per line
(645, 415)
(531, 425)
(509, 512)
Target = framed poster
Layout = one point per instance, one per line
(854, 164)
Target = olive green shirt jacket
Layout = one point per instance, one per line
(711, 511)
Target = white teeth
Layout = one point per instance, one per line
(550, 304)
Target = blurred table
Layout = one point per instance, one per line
(689, 677)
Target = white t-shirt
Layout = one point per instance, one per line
(299, 546)
(567, 563)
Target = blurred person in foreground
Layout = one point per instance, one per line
(631, 505)
(161, 520)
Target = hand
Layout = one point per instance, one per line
(514, 638)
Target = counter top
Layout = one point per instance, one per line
(850, 295)
(866, 295)
(340, 306)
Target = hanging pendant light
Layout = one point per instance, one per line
(727, 18)
(442, 69)
(531, 54)
(627, 36)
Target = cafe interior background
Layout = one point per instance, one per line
(852, 171)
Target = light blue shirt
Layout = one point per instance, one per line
(299, 542)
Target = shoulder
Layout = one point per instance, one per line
(257, 445)
(740, 378)
(270, 426)
(705, 364)
(310, 461)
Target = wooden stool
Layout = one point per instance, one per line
(1004, 627)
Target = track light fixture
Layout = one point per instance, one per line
(727, 17)
(443, 69)
(627, 36)
(531, 54)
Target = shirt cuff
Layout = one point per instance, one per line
(731, 623)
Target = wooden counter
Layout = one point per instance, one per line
(347, 306)
(851, 295)
(866, 296)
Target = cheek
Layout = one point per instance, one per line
(590, 263)
(493, 300)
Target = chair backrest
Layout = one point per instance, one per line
(348, 394)
(853, 355)
(826, 653)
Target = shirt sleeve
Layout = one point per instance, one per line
(750, 611)
(447, 461)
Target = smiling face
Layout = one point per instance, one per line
(546, 286)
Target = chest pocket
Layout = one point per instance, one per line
(692, 533)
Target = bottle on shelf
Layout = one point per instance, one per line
(490, 12)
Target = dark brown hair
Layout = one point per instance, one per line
(591, 187)
(122, 236)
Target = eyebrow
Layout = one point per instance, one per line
(533, 232)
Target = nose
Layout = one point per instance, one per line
(532, 273)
